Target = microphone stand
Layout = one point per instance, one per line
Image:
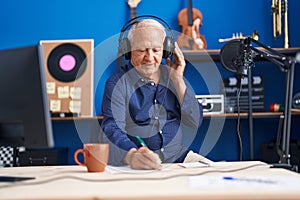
(250, 115)
(286, 64)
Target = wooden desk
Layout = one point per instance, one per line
(173, 182)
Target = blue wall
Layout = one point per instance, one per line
(27, 22)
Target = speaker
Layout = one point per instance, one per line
(69, 71)
(124, 43)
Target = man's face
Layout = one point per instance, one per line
(147, 50)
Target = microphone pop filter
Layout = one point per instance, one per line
(231, 56)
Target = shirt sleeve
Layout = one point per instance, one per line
(113, 123)
(191, 110)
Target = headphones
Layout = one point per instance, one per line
(124, 43)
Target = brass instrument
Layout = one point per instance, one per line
(279, 8)
(286, 31)
(276, 10)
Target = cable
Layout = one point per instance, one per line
(239, 119)
(127, 178)
(164, 97)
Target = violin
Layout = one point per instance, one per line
(190, 20)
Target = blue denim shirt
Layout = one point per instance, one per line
(134, 107)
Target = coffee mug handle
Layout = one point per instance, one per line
(78, 151)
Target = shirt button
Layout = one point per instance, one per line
(142, 80)
(162, 149)
(156, 118)
(152, 83)
(155, 101)
(160, 131)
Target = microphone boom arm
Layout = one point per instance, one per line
(281, 60)
(286, 64)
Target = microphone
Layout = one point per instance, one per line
(236, 56)
(274, 107)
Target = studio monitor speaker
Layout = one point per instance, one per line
(69, 74)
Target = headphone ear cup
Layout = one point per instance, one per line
(168, 47)
(125, 48)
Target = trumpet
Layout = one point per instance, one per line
(276, 10)
(279, 8)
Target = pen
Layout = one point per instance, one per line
(141, 141)
(204, 163)
(257, 180)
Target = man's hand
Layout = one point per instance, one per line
(142, 158)
(176, 71)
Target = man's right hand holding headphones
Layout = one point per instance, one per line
(176, 71)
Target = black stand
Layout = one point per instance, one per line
(287, 113)
(250, 116)
(287, 65)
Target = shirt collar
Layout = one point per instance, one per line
(135, 77)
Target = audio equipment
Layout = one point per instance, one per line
(69, 74)
(124, 43)
(236, 56)
(213, 104)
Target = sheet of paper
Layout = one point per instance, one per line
(214, 182)
(75, 106)
(50, 87)
(55, 105)
(127, 169)
(195, 157)
(63, 92)
(204, 164)
(75, 92)
(193, 165)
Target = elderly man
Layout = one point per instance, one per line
(145, 103)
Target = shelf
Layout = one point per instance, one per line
(76, 118)
(245, 115)
(255, 114)
(214, 54)
(206, 115)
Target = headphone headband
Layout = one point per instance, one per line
(124, 44)
(134, 20)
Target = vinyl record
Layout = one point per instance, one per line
(67, 62)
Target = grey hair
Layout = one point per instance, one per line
(145, 23)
